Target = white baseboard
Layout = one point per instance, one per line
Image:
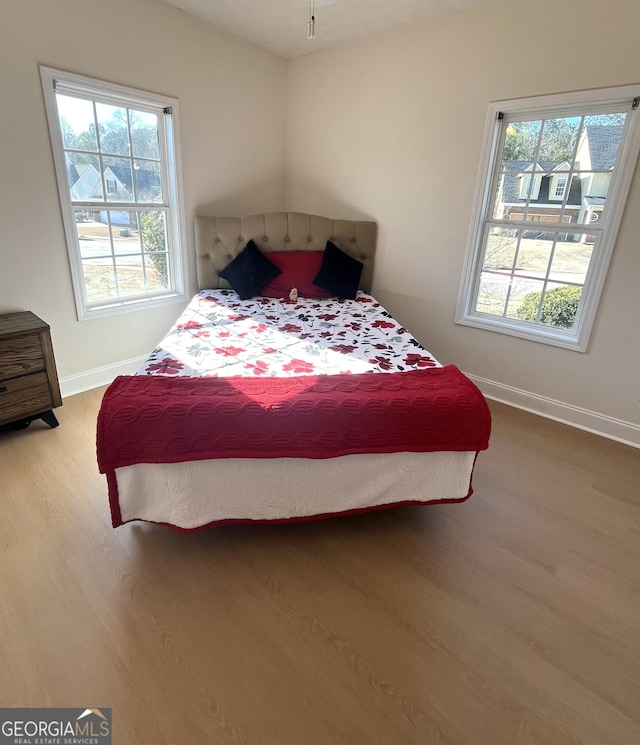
(600, 424)
(98, 376)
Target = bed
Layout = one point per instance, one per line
(286, 404)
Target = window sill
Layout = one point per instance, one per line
(130, 306)
(541, 335)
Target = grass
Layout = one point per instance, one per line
(100, 282)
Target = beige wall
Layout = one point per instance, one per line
(232, 106)
(391, 129)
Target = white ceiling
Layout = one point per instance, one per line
(281, 25)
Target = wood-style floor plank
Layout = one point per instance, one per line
(511, 619)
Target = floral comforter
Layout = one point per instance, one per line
(219, 335)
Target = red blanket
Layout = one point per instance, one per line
(157, 419)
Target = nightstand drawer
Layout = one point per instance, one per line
(28, 394)
(29, 386)
(20, 356)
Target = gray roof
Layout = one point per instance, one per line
(511, 185)
(83, 180)
(603, 141)
(523, 165)
(148, 183)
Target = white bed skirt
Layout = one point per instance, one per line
(197, 493)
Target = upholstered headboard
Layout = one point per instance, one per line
(220, 239)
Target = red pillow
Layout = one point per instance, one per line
(299, 269)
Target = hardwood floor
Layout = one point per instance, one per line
(511, 619)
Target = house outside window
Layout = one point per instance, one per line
(553, 183)
(117, 166)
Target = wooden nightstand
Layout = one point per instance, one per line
(29, 386)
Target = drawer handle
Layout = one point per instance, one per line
(3, 389)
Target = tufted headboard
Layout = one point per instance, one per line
(219, 239)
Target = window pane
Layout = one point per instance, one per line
(113, 129)
(522, 301)
(595, 160)
(124, 232)
(533, 256)
(130, 276)
(516, 188)
(492, 293)
(144, 134)
(93, 235)
(83, 174)
(153, 231)
(99, 280)
(77, 123)
(600, 142)
(501, 208)
(118, 179)
(572, 257)
(148, 181)
(558, 141)
(560, 305)
(501, 249)
(521, 141)
(156, 270)
(511, 268)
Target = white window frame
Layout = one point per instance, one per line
(562, 104)
(169, 135)
(560, 186)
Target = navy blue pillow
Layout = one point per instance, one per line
(249, 272)
(339, 274)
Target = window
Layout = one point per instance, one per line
(116, 158)
(561, 185)
(529, 187)
(539, 247)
